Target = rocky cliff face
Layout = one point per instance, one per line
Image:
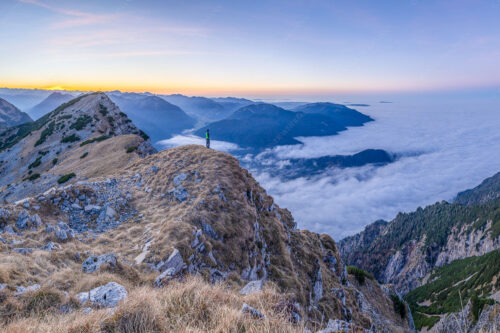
(184, 211)
(11, 116)
(421, 254)
(404, 251)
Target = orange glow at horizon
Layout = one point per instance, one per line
(220, 90)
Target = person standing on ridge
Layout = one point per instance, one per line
(207, 136)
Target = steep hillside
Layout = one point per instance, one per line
(474, 281)
(31, 154)
(444, 257)
(263, 125)
(341, 114)
(488, 190)
(50, 103)
(154, 115)
(407, 248)
(11, 116)
(183, 211)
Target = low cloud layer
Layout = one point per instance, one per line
(180, 140)
(447, 147)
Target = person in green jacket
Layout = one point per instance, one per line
(207, 136)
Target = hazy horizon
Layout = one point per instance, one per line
(259, 48)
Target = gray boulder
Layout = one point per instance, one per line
(8, 229)
(93, 263)
(36, 221)
(207, 228)
(179, 178)
(108, 295)
(252, 287)
(50, 246)
(23, 250)
(247, 309)
(22, 220)
(180, 193)
(171, 267)
(174, 261)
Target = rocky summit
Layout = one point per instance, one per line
(180, 240)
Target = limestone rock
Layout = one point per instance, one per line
(247, 309)
(108, 295)
(93, 263)
(252, 287)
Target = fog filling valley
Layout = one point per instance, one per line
(444, 146)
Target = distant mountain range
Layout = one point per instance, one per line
(11, 115)
(202, 108)
(156, 116)
(50, 103)
(262, 125)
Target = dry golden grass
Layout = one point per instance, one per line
(295, 257)
(188, 306)
(103, 157)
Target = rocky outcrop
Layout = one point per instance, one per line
(225, 229)
(108, 295)
(404, 251)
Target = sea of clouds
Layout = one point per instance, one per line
(444, 146)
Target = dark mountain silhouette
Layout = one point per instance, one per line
(340, 113)
(154, 115)
(50, 103)
(265, 125)
(309, 167)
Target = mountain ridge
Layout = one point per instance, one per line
(11, 115)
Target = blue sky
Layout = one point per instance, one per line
(249, 48)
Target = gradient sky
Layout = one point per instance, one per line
(250, 47)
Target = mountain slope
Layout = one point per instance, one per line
(24, 98)
(154, 115)
(186, 210)
(437, 255)
(263, 125)
(31, 153)
(202, 108)
(452, 286)
(232, 104)
(488, 190)
(48, 104)
(339, 113)
(11, 116)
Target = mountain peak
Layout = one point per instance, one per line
(34, 152)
